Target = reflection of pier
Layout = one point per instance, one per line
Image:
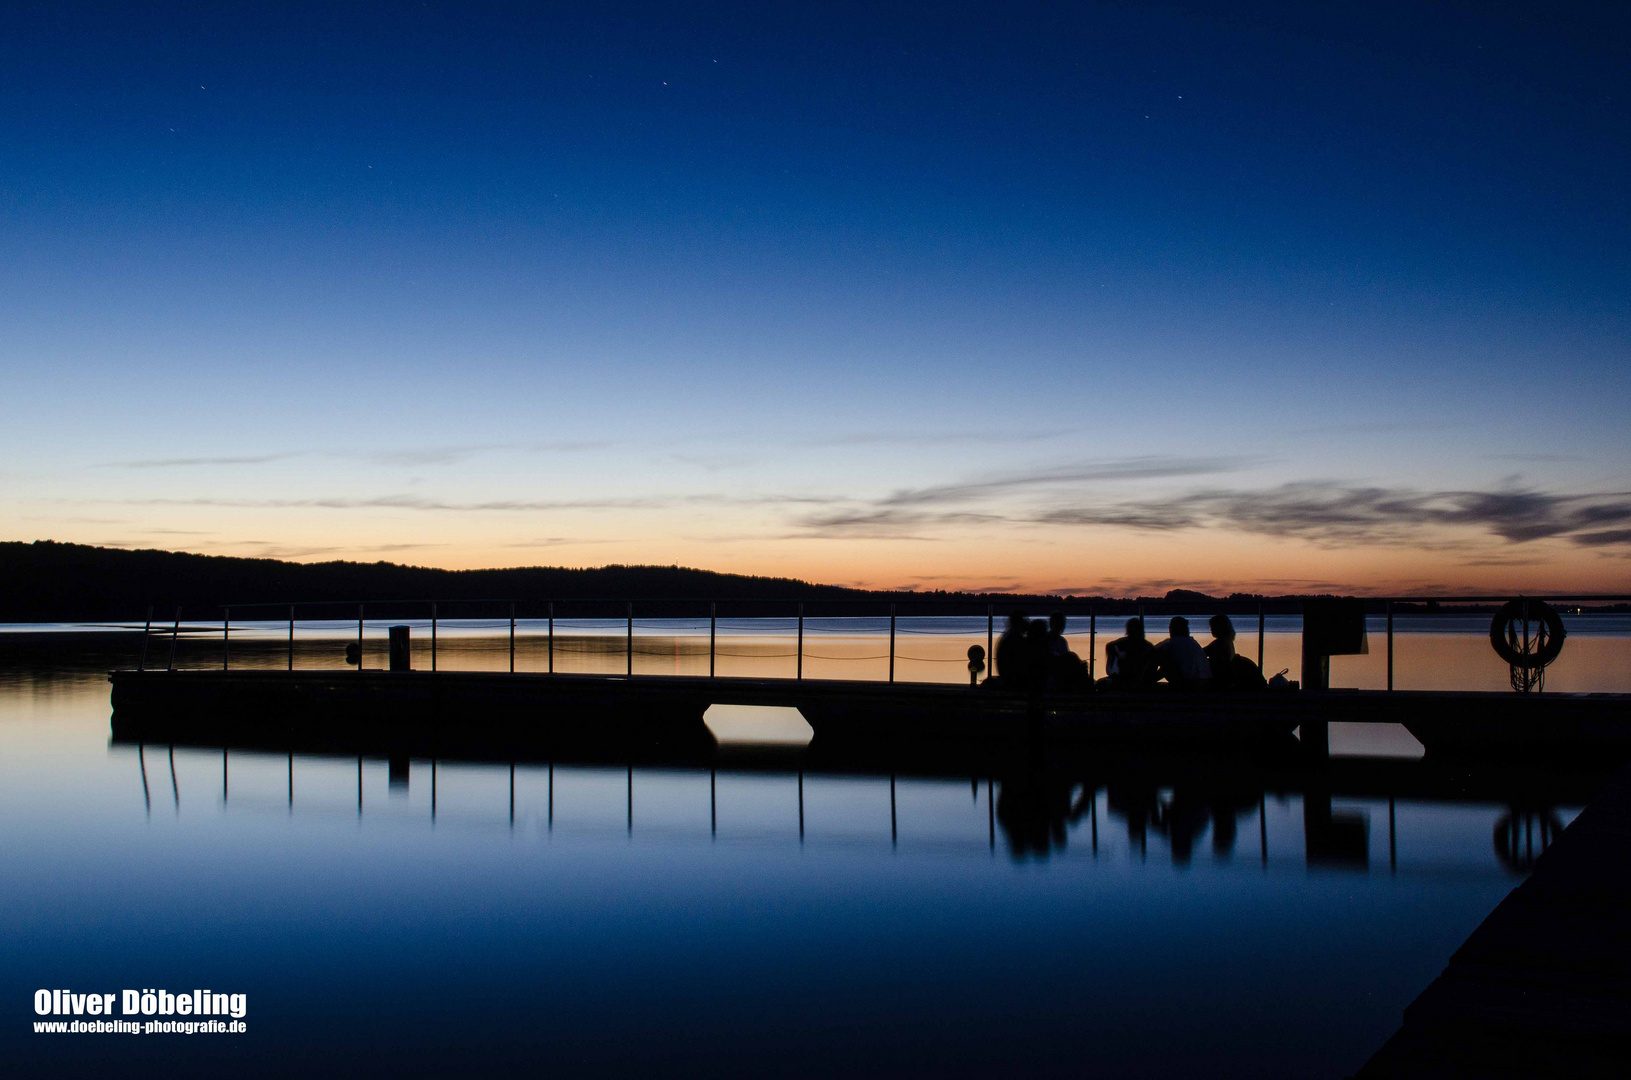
(1031, 807)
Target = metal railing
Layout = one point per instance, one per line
(547, 610)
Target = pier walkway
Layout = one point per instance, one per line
(1543, 986)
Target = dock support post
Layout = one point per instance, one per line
(800, 675)
(1260, 635)
(175, 632)
(552, 637)
(291, 637)
(512, 639)
(359, 637)
(141, 661)
(630, 640)
(1390, 646)
(713, 629)
(891, 675)
(433, 637)
(226, 634)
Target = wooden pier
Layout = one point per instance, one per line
(1543, 986)
(539, 707)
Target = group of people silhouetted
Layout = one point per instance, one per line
(1033, 656)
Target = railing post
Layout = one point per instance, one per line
(226, 634)
(147, 629)
(512, 639)
(291, 637)
(359, 638)
(1260, 635)
(630, 640)
(552, 637)
(1092, 644)
(713, 633)
(433, 637)
(175, 633)
(1390, 650)
(990, 638)
(891, 664)
(801, 646)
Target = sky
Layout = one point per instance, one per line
(1083, 298)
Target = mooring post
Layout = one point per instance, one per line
(1259, 635)
(226, 634)
(552, 637)
(147, 629)
(1390, 644)
(433, 637)
(512, 638)
(713, 630)
(359, 637)
(801, 675)
(291, 637)
(891, 673)
(175, 632)
(630, 639)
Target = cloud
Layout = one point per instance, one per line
(1345, 515)
(907, 438)
(183, 462)
(1117, 469)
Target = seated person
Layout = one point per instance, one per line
(1181, 660)
(1013, 661)
(1126, 659)
(1066, 670)
(1221, 652)
(1230, 670)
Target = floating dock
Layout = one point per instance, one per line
(540, 710)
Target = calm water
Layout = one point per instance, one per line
(1130, 920)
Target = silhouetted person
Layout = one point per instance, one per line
(1181, 660)
(1230, 670)
(1127, 658)
(1037, 655)
(1013, 667)
(1066, 671)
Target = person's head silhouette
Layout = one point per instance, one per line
(1135, 629)
(1222, 628)
(1178, 627)
(1056, 622)
(1016, 621)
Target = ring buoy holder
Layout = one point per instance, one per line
(1528, 664)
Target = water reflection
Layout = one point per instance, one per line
(1036, 813)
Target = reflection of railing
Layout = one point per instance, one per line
(1030, 814)
(654, 608)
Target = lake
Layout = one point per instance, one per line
(1134, 918)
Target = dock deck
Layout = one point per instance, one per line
(1543, 986)
(563, 707)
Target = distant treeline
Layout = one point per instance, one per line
(47, 581)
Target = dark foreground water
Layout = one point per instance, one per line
(679, 922)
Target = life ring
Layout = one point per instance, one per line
(1548, 643)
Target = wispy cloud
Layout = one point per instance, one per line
(187, 462)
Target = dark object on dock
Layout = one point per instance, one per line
(1331, 627)
(1543, 986)
(353, 654)
(401, 658)
(976, 663)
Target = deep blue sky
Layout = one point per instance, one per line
(1061, 295)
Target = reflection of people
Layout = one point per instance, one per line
(1126, 658)
(1181, 660)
